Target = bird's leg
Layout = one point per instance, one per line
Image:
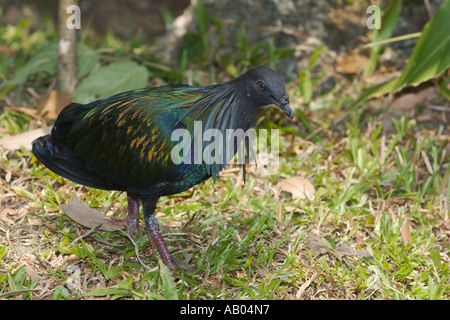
(132, 220)
(155, 235)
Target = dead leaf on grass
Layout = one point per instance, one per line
(318, 247)
(299, 188)
(305, 285)
(358, 235)
(405, 231)
(351, 63)
(14, 143)
(51, 104)
(406, 101)
(6, 50)
(87, 217)
(32, 273)
(344, 250)
(4, 215)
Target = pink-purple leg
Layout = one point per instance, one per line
(132, 219)
(155, 235)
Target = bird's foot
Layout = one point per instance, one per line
(157, 240)
(131, 222)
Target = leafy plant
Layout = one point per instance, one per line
(111, 79)
(387, 28)
(430, 57)
(45, 61)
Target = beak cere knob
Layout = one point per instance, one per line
(284, 100)
(284, 105)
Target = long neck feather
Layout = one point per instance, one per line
(223, 107)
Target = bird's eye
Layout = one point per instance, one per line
(261, 86)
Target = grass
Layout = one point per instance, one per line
(383, 190)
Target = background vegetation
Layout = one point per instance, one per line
(374, 158)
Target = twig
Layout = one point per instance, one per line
(14, 293)
(305, 285)
(427, 6)
(87, 234)
(136, 250)
(390, 40)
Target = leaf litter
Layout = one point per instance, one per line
(88, 217)
(318, 247)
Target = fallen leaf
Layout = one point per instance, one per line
(305, 285)
(27, 111)
(4, 215)
(299, 188)
(351, 63)
(8, 175)
(88, 217)
(358, 235)
(51, 104)
(6, 50)
(14, 143)
(279, 212)
(318, 247)
(407, 100)
(359, 239)
(32, 273)
(344, 250)
(405, 231)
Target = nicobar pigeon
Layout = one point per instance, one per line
(124, 142)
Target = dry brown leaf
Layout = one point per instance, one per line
(32, 273)
(87, 217)
(305, 285)
(6, 50)
(318, 247)
(358, 235)
(279, 212)
(13, 143)
(4, 215)
(27, 111)
(344, 250)
(8, 175)
(359, 239)
(351, 63)
(51, 104)
(299, 188)
(408, 100)
(405, 231)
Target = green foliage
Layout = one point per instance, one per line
(111, 79)
(168, 282)
(430, 58)
(45, 61)
(388, 24)
(16, 284)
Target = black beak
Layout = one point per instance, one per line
(283, 103)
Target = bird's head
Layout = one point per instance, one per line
(265, 86)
